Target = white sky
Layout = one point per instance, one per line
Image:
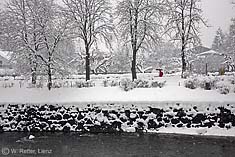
(218, 13)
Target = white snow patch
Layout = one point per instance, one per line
(214, 131)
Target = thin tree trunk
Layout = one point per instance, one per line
(133, 66)
(33, 69)
(34, 76)
(49, 73)
(183, 63)
(49, 84)
(87, 64)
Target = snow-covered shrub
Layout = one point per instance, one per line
(8, 85)
(207, 83)
(186, 74)
(56, 84)
(110, 83)
(66, 84)
(114, 83)
(105, 82)
(231, 80)
(190, 83)
(139, 83)
(223, 87)
(89, 84)
(233, 89)
(161, 84)
(203, 82)
(38, 84)
(154, 84)
(126, 84)
(81, 84)
(224, 90)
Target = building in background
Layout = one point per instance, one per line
(204, 60)
(6, 68)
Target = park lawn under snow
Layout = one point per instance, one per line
(113, 94)
(173, 92)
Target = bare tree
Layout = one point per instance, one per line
(185, 17)
(90, 20)
(22, 32)
(53, 28)
(38, 27)
(138, 25)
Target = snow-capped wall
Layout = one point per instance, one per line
(22, 117)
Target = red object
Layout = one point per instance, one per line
(160, 73)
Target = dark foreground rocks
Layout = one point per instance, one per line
(53, 118)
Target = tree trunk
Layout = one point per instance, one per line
(133, 66)
(87, 64)
(183, 59)
(49, 84)
(34, 76)
(34, 71)
(49, 73)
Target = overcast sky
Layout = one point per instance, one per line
(218, 14)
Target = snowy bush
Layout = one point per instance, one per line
(105, 82)
(81, 84)
(110, 83)
(114, 83)
(207, 83)
(155, 84)
(233, 89)
(126, 84)
(139, 83)
(223, 87)
(66, 84)
(56, 85)
(8, 85)
(161, 84)
(190, 83)
(39, 84)
(203, 82)
(224, 90)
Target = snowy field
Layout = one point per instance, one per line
(173, 92)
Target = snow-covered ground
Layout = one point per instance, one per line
(173, 92)
(214, 131)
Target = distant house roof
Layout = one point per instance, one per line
(199, 49)
(210, 52)
(5, 55)
(3, 59)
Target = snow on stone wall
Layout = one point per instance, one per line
(34, 118)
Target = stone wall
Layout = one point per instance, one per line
(53, 118)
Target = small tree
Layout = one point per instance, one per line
(219, 42)
(183, 25)
(90, 20)
(230, 46)
(22, 33)
(138, 25)
(53, 27)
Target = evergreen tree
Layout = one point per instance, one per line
(219, 43)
